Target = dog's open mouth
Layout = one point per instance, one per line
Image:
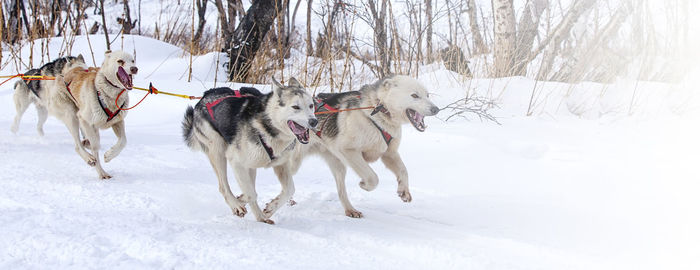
(300, 131)
(416, 119)
(125, 78)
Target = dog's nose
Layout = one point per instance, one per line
(434, 110)
(313, 122)
(134, 70)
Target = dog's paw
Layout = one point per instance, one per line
(405, 195)
(292, 202)
(40, 131)
(368, 185)
(105, 176)
(14, 129)
(268, 221)
(240, 211)
(85, 143)
(353, 213)
(91, 160)
(109, 156)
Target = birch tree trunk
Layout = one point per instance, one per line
(479, 45)
(249, 35)
(527, 31)
(429, 30)
(504, 37)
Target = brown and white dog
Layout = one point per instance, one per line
(85, 100)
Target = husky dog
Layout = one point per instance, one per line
(84, 99)
(357, 137)
(36, 91)
(251, 130)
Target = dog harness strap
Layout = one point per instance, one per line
(108, 112)
(268, 149)
(71, 93)
(385, 135)
(210, 105)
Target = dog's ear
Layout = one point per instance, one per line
(293, 82)
(81, 58)
(276, 84)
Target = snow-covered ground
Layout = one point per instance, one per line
(566, 188)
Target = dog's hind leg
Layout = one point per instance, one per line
(357, 162)
(284, 175)
(22, 101)
(247, 185)
(119, 130)
(339, 170)
(393, 162)
(43, 114)
(93, 134)
(218, 162)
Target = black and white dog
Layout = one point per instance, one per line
(251, 130)
(36, 91)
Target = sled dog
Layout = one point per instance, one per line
(357, 137)
(36, 91)
(84, 99)
(251, 130)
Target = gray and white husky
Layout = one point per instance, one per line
(251, 130)
(357, 137)
(36, 91)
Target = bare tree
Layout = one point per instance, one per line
(527, 31)
(201, 12)
(104, 23)
(479, 45)
(249, 35)
(126, 22)
(309, 42)
(381, 50)
(504, 37)
(429, 30)
(227, 18)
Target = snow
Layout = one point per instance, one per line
(599, 189)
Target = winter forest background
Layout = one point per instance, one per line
(550, 40)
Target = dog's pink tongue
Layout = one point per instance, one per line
(296, 129)
(418, 117)
(124, 78)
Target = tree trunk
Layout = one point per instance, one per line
(248, 36)
(126, 22)
(429, 30)
(14, 27)
(104, 23)
(201, 12)
(527, 31)
(309, 42)
(380, 38)
(504, 37)
(553, 41)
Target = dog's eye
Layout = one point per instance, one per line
(414, 95)
(121, 62)
(295, 107)
(311, 106)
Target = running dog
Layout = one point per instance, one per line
(251, 130)
(359, 127)
(36, 91)
(84, 99)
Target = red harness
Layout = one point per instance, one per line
(379, 108)
(110, 114)
(210, 105)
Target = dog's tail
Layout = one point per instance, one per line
(187, 127)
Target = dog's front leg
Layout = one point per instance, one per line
(119, 130)
(93, 135)
(247, 185)
(357, 162)
(283, 173)
(393, 161)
